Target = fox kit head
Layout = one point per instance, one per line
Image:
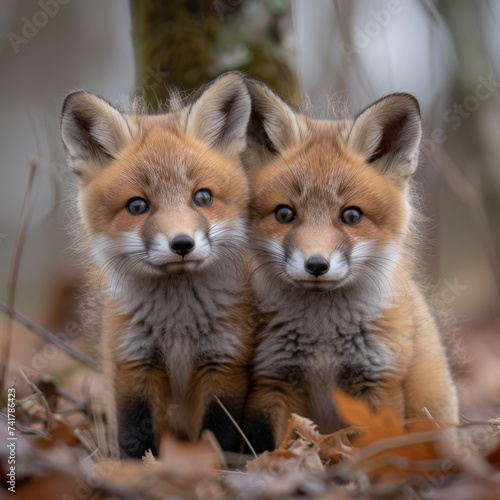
(330, 205)
(161, 195)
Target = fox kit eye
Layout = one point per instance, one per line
(351, 216)
(203, 198)
(284, 214)
(137, 206)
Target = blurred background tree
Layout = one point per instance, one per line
(188, 43)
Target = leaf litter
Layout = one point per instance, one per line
(66, 454)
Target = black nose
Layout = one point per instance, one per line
(182, 244)
(317, 266)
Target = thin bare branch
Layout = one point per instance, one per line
(42, 398)
(392, 443)
(14, 271)
(238, 428)
(50, 337)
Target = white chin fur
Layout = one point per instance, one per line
(339, 268)
(108, 251)
(368, 262)
(159, 253)
(157, 258)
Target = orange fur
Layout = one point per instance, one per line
(363, 326)
(172, 332)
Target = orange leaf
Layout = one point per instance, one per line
(384, 435)
(352, 411)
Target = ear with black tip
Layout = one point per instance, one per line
(219, 116)
(274, 126)
(387, 135)
(93, 132)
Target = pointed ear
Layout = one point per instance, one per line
(274, 126)
(219, 116)
(93, 132)
(387, 135)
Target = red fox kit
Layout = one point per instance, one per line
(163, 204)
(330, 217)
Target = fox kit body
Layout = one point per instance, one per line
(330, 219)
(163, 204)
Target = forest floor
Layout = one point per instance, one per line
(62, 445)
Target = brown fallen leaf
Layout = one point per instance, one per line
(182, 469)
(332, 447)
(194, 458)
(61, 432)
(389, 449)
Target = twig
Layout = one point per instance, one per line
(87, 440)
(405, 464)
(40, 394)
(28, 431)
(67, 396)
(466, 421)
(50, 337)
(13, 273)
(238, 428)
(396, 442)
(428, 414)
(44, 463)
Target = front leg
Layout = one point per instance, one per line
(141, 398)
(429, 382)
(377, 391)
(230, 384)
(268, 409)
(135, 427)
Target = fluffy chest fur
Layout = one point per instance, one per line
(323, 339)
(178, 322)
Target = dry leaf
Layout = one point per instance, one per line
(191, 458)
(332, 447)
(61, 432)
(390, 449)
(352, 411)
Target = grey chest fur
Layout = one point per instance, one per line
(177, 322)
(322, 339)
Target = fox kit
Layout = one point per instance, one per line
(163, 204)
(331, 222)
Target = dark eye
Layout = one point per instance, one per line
(284, 214)
(203, 198)
(137, 206)
(351, 216)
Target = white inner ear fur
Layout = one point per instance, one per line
(285, 128)
(219, 118)
(387, 135)
(93, 132)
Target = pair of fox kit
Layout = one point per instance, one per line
(249, 253)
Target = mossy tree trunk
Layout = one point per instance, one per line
(173, 44)
(176, 45)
